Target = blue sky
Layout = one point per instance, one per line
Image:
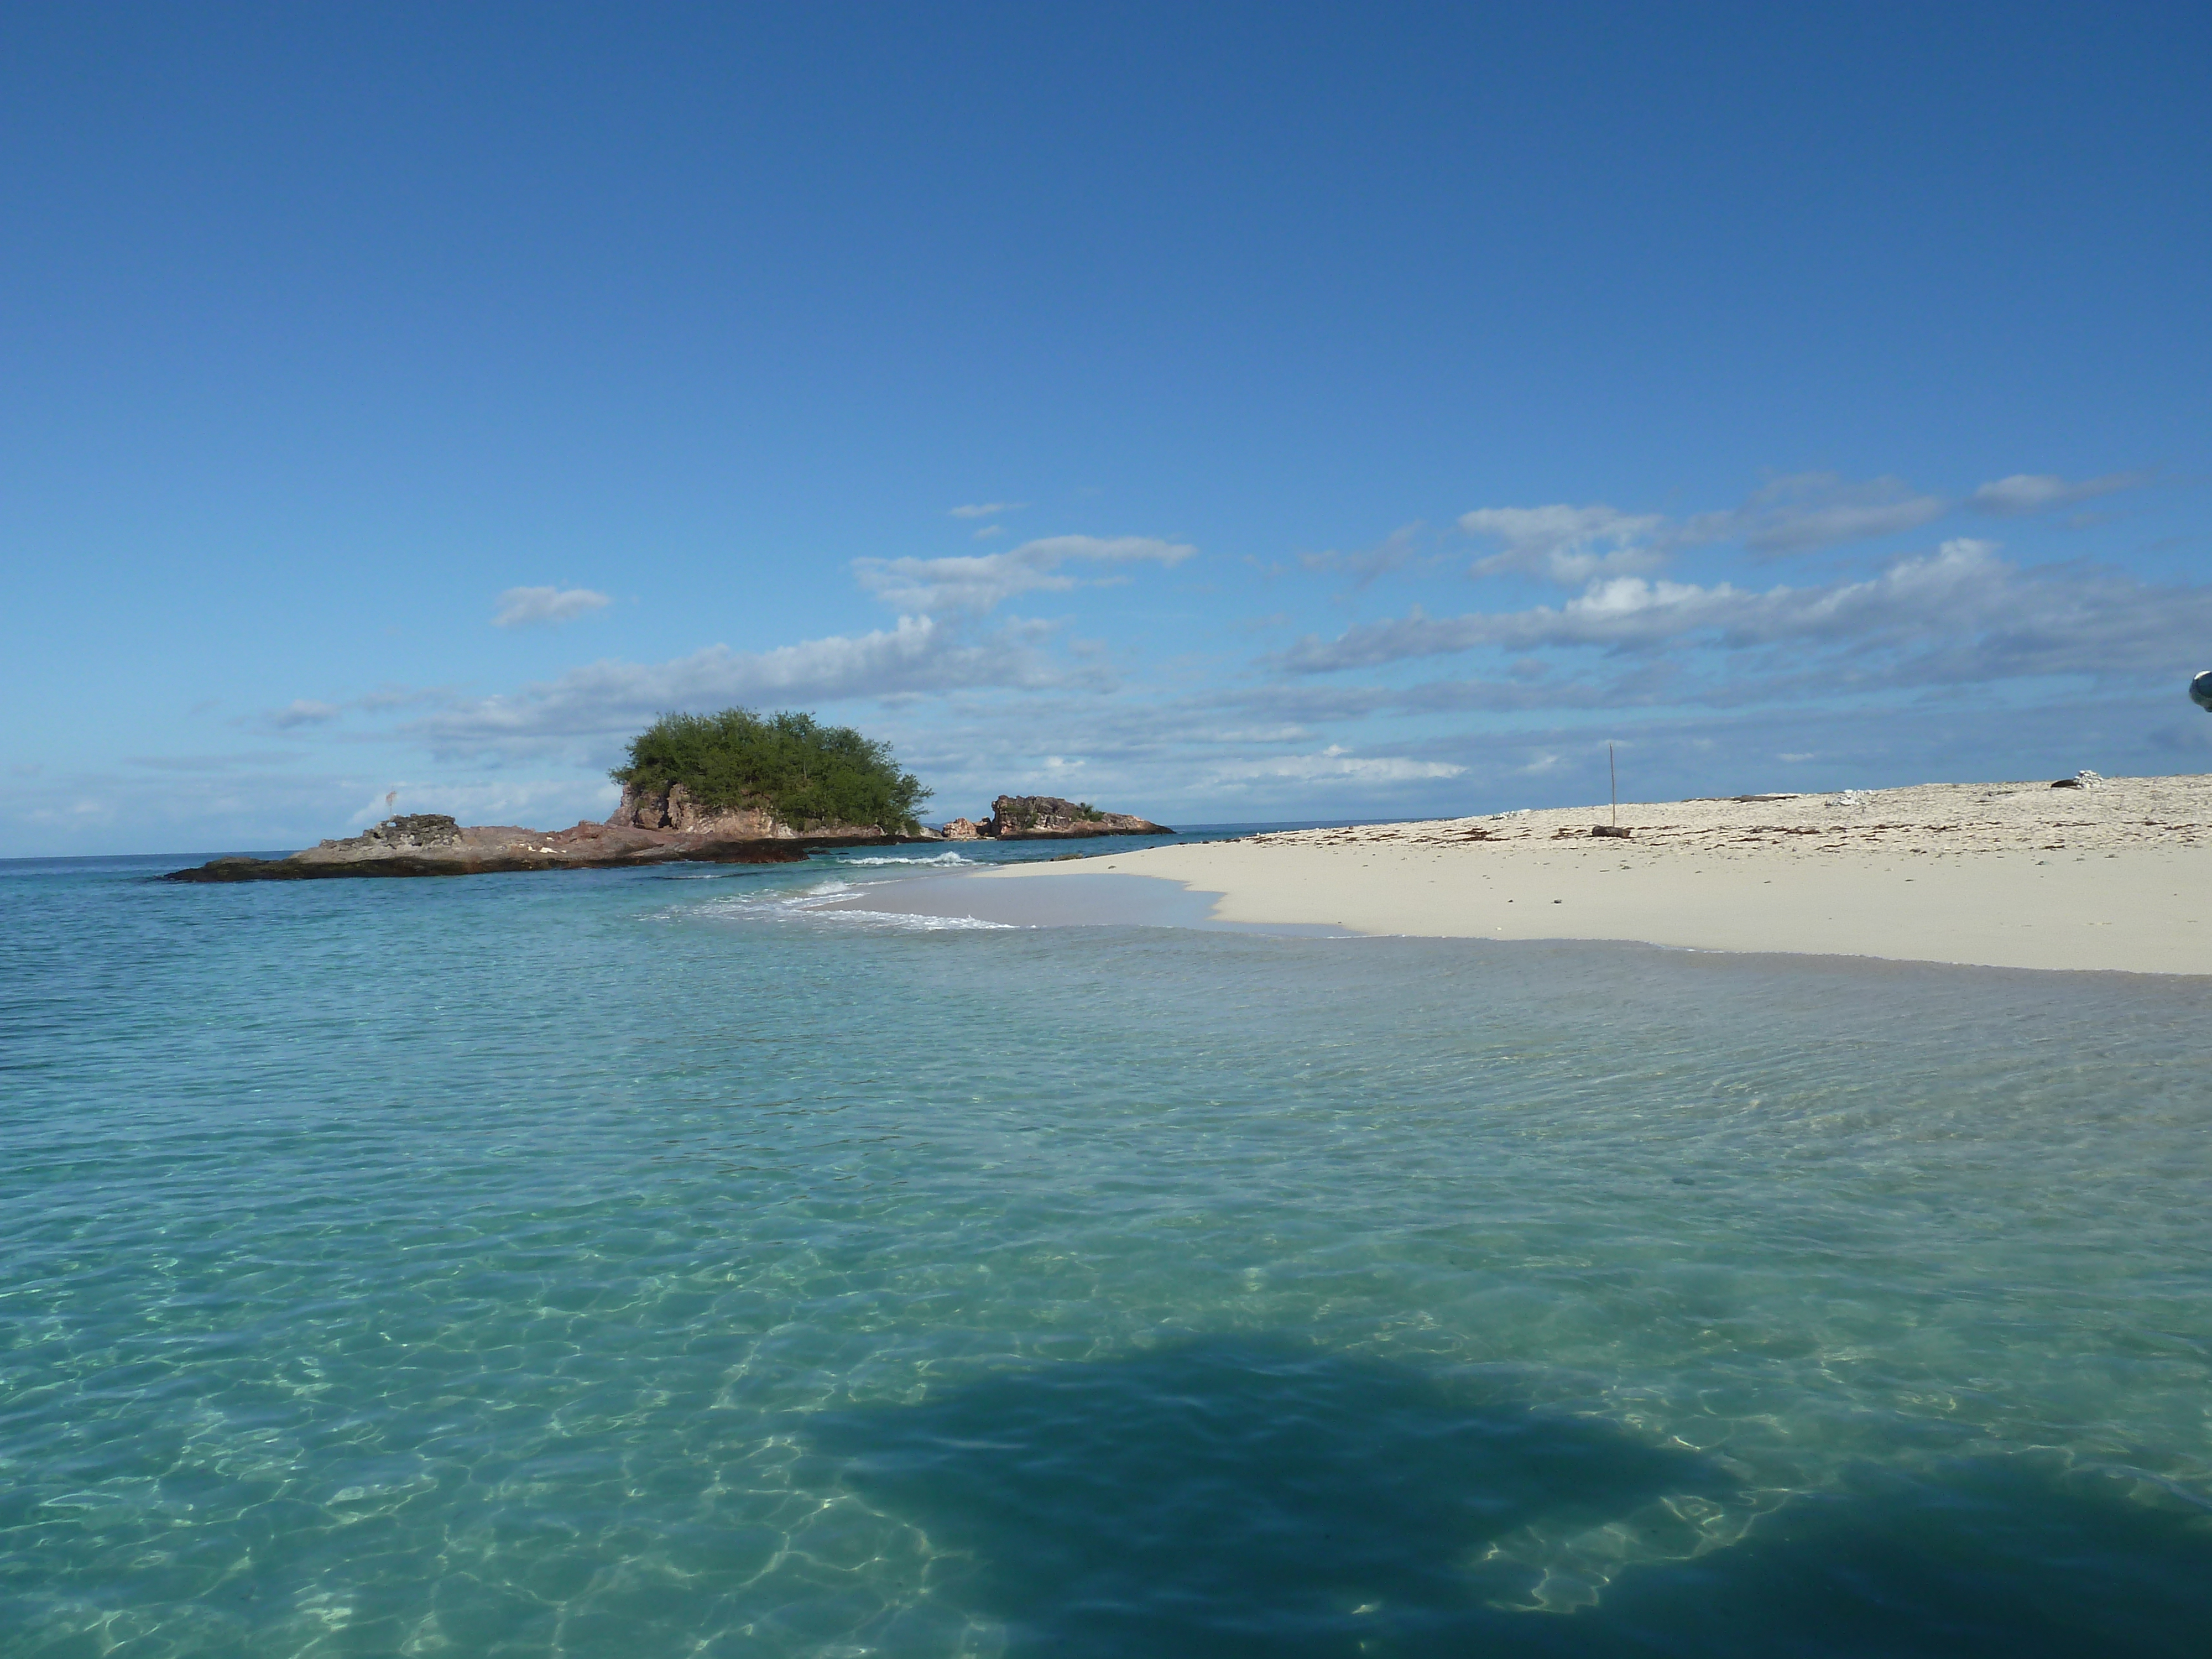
(1219, 413)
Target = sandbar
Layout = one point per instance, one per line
(2114, 875)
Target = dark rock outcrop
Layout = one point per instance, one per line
(1048, 817)
(675, 809)
(431, 844)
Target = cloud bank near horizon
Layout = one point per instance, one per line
(1958, 615)
(1670, 624)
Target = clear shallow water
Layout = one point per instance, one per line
(648, 1263)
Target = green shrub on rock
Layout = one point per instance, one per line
(790, 764)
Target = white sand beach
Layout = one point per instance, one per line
(2114, 875)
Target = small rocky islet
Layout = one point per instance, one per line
(664, 826)
(433, 844)
(1048, 817)
(732, 787)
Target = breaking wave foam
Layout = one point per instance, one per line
(813, 904)
(940, 859)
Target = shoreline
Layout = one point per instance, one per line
(2116, 876)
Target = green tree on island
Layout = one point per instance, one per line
(789, 764)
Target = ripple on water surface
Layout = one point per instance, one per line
(601, 1266)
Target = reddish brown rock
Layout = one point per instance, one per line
(1048, 817)
(431, 844)
(674, 809)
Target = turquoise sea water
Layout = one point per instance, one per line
(639, 1264)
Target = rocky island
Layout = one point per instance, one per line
(1048, 817)
(432, 844)
(726, 788)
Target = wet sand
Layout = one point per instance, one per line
(2115, 876)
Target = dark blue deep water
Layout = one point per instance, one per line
(634, 1264)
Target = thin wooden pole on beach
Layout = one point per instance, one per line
(1613, 778)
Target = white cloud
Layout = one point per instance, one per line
(1401, 548)
(229, 804)
(1960, 615)
(603, 699)
(1334, 764)
(979, 582)
(1800, 514)
(519, 607)
(310, 711)
(1807, 511)
(1566, 544)
(401, 696)
(533, 803)
(987, 509)
(2031, 492)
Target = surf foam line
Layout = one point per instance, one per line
(831, 900)
(941, 860)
